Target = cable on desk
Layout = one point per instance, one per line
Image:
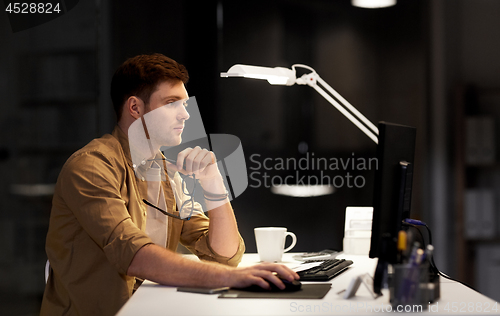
(415, 223)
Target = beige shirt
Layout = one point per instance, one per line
(97, 225)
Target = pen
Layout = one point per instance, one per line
(414, 279)
(413, 255)
(428, 252)
(401, 245)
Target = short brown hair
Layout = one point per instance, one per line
(140, 75)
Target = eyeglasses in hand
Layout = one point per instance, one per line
(189, 190)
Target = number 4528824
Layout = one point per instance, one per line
(27, 8)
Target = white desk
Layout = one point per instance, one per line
(154, 299)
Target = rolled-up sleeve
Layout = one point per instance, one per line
(91, 189)
(195, 237)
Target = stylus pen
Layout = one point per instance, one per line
(202, 290)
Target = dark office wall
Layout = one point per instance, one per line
(479, 62)
(478, 66)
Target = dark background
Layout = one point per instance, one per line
(404, 64)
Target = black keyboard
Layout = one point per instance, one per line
(327, 270)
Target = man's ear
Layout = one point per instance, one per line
(134, 106)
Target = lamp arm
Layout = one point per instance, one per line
(349, 106)
(312, 80)
(354, 120)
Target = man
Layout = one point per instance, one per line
(98, 241)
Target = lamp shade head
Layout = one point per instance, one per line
(275, 76)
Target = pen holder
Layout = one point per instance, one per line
(415, 285)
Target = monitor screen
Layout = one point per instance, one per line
(392, 188)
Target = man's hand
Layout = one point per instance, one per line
(258, 274)
(203, 164)
(197, 161)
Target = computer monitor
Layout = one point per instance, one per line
(392, 188)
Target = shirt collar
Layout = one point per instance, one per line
(123, 139)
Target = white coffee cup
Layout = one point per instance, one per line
(271, 241)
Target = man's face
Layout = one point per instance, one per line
(165, 116)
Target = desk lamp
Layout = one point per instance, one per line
(285, 76)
